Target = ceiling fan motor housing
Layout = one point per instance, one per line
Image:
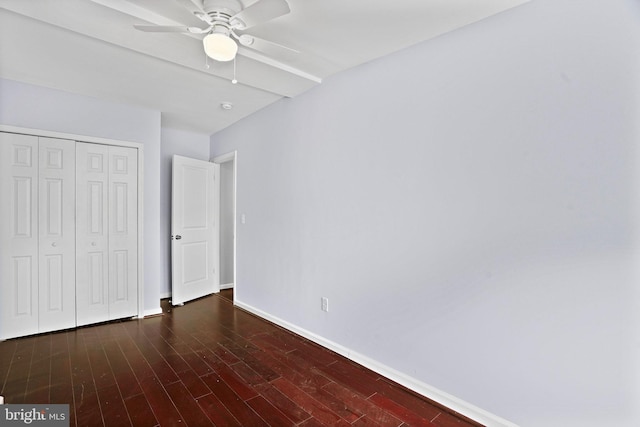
(221, 7)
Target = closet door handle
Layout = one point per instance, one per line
(94, 244)
(178, 237)
(54, 244)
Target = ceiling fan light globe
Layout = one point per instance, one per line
(220, 47)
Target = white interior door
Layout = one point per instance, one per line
(194, 241)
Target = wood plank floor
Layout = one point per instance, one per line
(206, 363)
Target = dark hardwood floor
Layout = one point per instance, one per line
(205, 363)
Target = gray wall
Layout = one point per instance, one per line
(469, 207)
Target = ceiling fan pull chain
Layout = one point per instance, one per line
(234, 81)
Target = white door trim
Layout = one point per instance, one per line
(228, 157)
(96, 140)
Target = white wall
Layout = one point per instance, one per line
(183, 143)
(469, 207)
(35, 107)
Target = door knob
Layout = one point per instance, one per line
(178, 237)
(93, 243)
(54, 244)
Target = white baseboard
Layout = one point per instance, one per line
(165, 295)
(227, 286)
(468, 410)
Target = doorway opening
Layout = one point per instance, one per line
(227, 220)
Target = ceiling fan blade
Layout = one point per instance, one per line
(259, 12)
(265, 46)
(170, 29)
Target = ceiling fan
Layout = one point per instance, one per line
(223, 19)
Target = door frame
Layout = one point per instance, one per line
(105, 141)
(225, 158)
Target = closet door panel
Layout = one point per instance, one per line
(18, 235)
(123, 232)
(57, 254)
(92, 239)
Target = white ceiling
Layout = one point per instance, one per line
(90, 47)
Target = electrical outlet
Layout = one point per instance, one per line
(325, 304)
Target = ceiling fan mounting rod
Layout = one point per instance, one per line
(226, 8)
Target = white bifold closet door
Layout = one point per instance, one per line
(37, 234)
(106, 233)
(57, 237)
